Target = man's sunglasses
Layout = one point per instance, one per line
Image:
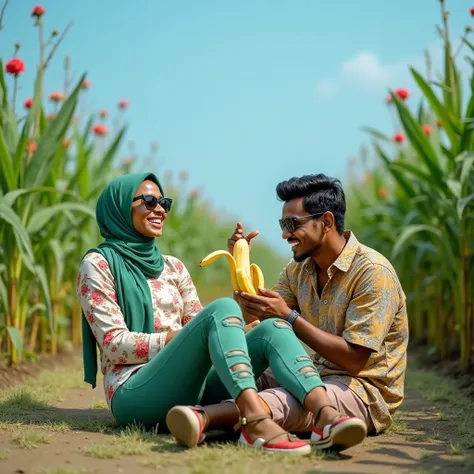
(291, 222)
(152, 201)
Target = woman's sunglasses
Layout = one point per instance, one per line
(152, 201)
(291, 223)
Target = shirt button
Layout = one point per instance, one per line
(325, 301)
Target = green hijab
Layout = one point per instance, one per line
(132, 258)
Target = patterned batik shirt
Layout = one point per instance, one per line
(122, 352)
(364, 303)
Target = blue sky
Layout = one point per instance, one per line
(242, 94)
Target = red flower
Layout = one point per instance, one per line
(426, 129)
(100, 129)
(38, 11)
(28, 103)
(110, 392)
(97, 297)
(103, 265)
(56, 96)
(158, 325)
(399, 137)
(15, 66)
(84, 289)
(31, 147)
(117, 369)
(383, 193)
(197, 307)
(123, 104)
(402, 93)
(439, 124)
(141, 351)
(472, 11)
(66, 143)
(179, 267)
(103, 113)
(186, 320)
(108, 336)
(195, 193)
(156, 284)
(86, 84)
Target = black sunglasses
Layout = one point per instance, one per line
(291, 222)
(152, 201)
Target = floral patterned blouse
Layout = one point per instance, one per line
(175, 303)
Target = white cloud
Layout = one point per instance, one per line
(367, 72)
(366, 69)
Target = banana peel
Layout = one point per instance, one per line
(244, 276)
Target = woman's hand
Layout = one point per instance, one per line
(239, 234)
(251, 326)
(170, 336)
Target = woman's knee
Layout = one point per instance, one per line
(275, 326)
(225, 310)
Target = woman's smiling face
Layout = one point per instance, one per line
(146, 222)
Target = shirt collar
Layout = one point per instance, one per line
(345, 259)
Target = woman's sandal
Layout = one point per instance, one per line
(293, 446)
(186, 426)
(342, 434)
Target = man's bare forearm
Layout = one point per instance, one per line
(333, 348)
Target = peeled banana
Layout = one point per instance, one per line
(244, 276)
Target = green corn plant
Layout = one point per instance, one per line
(426, 223)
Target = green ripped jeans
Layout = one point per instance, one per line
(181, 373)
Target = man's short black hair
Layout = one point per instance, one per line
(320, 192)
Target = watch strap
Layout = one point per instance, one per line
(292, 317)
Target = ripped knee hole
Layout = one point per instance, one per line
(282, 324)
(233, 321)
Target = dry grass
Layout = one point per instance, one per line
(99, 405)
(30, 438)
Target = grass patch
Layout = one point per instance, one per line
(3, 455)
(28, 438)
(99, 405)
(452, 402)
(57, 426)
(228, 458)
(399, 424)
(130, 442)
(455, 449)
(468, 461)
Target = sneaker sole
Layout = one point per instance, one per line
(302, 451)
(184, 426)
(344, 436)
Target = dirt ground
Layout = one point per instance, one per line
(57, 424)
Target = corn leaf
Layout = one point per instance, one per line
(15, 337)
(462, 203)
(41, 218)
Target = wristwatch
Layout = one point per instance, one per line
(292, 317)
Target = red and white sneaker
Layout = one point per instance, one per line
(340, 435)
(186, 426)
(293, 446)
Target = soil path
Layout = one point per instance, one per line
(65, 437)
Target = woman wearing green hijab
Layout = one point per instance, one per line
(157, 344)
